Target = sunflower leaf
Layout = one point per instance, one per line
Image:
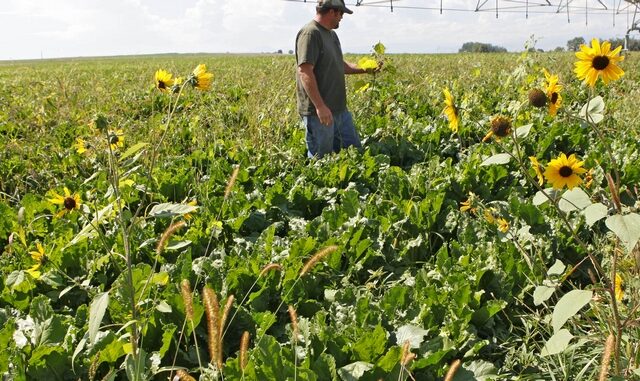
(523, 131)
(574, 199)
(500, 158)
(170, 210)
(626, 227)
(594, 212)
(568, 306)
(593, 110)
(557, 343)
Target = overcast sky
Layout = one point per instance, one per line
(69, 28)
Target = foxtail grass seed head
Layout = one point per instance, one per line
(244, 348)
(167, 234)
(187, 298)
(223, 321)
(269, 267)
(294, 322)
(231, 182)
(182, 375)
(537, 98)
(455, 365)
(93, 368)
(317, 257)
(606, 357)
(407, 356)
(614, 191)
(212, 310)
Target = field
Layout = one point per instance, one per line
(149, 234)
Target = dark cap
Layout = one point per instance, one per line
(334, 4)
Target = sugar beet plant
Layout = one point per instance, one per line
(487, 230)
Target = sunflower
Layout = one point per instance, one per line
(598, 60)
(200, 79)
(618, 288)
(488, 215)
(500, 128)
(450, 110)
(81, 145)
(564, 171)
(193, 202)
(536, 167)
(177, 84)
(116, 139)
(40, 257)
(503, 225)
(68, 201)
(163, 80)
(552, 89)
(537, 98)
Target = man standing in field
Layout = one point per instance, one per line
(321, 93)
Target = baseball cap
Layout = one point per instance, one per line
(334, 4)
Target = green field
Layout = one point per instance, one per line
(194, 217)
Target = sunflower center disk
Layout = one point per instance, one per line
(114, 139)
(554, 98)
(565, 171)
(69, 203)
(600, 62)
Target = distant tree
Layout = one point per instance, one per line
(633, 44)
(574, 44)
(279, 51)
(480, 47)
(290, 51)
(558, 49)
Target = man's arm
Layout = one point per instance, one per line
(308, 79)
(350, 68)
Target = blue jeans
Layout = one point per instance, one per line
(322, 140)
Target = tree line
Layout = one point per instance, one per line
(572, 45)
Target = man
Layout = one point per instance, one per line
(322, 99)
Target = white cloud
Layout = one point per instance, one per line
(32, 28)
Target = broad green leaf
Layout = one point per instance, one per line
(594, 213)
(413, 334)
(500, 158)
(175, 245)
(593, 109)
(557, 268)
(540, 197)
(89, 230)
(171, 210)
(379, 48)
(354, 371)
(370, 346)
(568, 306)
(557, 343)
(542, 293)
(626, 227)
(96, 313)
(574, 199)
(167, 335)
(132, 150)
(523, 131)
(478, 370)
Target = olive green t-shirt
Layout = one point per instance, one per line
(320, 47)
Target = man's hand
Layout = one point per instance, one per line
(325, 116)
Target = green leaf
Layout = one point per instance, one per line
(574, 199)
(500, 158)
(593, 109)
(379, 48)
(89, 230)
(96, 313)
(540, 197)
(523, 131)
(568, 306)
(478, 370)
(626, 227)
(167, 335)
(594, 213)
(413, 334)
(542, 293)
(354, 371)
(165, 210)
(132, 150)
(557, 343)
(557, 268)
(370, 346)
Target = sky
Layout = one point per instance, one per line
(34, 29)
